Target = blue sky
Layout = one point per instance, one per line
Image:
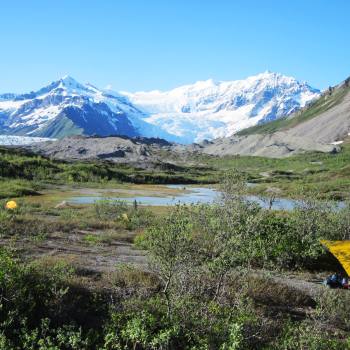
(160, 44)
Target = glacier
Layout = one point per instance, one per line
(10, 140)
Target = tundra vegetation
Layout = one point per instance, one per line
(225, 276)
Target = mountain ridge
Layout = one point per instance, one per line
(189, 113)
(321, 126)
(209, 109)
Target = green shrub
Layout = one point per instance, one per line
(92, 239)
(333, 307)
(140, 218)
(108, 209)
(305, 335)
(18, 188)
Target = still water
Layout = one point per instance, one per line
(192, 195)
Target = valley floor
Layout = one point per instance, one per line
(97, 272)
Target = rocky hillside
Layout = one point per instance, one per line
(140, 151)
(274, 145)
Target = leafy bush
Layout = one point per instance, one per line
(140, 218)
(92, 239)
(108, 209)
(333, 307)
(305, 335)
(18, 188)
(196, 293)
(132, 217)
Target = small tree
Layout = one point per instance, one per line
(169, 243)
(227, 230)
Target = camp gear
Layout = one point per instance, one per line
(341, 250)
(11, 205)
(333, 281)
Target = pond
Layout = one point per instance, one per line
(183, 195)
(187, 195)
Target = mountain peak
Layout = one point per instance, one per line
(67, 77)
(268, 75)
(205, 83)
(68, 81)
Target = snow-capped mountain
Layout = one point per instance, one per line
(66, 107)
(208, 109)
(191, 113)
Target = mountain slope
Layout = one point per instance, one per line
(207, 110)
(66, 107)
(331, 108)
(275, 145)
(321, 126)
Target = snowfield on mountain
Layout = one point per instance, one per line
(66, 107)
(191, 113)
(208, 109)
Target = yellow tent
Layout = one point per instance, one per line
(341, 250)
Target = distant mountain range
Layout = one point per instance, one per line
(323, 125)
(191, 113)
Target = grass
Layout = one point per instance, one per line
(93, 239)
(18, 188)
(327, 174)
(23, 173)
